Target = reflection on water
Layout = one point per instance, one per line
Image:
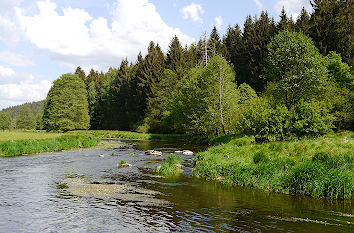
(110, 199)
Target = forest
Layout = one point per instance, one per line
(273, 80)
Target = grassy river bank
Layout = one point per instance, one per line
(17, 142)
(322, 167)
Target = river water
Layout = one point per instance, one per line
(81, 191)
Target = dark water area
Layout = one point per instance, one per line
(32, 198)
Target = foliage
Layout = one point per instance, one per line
(35, 108)
(175, 58)
(158, 115)
(255, 119)
(267, 123)
(311, 119)
(317, 168)
(25, 119)
(171, 167)
(205, 100)
(332, 27)
(296, 67)
(5, 120)
(339, 71)
(66, 106)
(257, 33)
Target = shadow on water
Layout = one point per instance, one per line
(86, 191)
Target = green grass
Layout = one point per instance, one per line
(15, 135)
(172, 166)
(31, 146)
(322, 167)
(134, 135)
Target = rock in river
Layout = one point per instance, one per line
(187, 152)
(153, 152)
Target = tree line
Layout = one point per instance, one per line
(271, 79)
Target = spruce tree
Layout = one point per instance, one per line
(285, 23)
(214, 43)
(332, 27)
(235, 52)
(257, 34)
(303, 22)
(81, 73)
(175, 58)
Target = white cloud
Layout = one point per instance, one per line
(258, 3)
(75, 38)
(25, 91)
(8, 22)
(192, 11)
(18, 88)
(15, 59)
(292, 7)
(6, 73)
(218, 22)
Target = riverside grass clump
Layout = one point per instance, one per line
(322, 167)
(172, 166)
(29, 146)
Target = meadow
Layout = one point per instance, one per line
(15, 135)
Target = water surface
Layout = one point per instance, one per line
(33, 199)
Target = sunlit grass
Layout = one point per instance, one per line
(322, 167)
(135, 135)
(15, 135)
(171, 167)
(32, 146)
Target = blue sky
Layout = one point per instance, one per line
(40, 40)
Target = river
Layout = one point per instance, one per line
(85, 191)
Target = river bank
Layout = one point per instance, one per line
(17, 142)
(322, 167)
(33, 146)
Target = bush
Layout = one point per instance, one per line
(270, 124)
(311, 119)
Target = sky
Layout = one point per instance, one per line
(42, 39)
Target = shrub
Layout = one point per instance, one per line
(311, 119)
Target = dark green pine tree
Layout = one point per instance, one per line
(175, 58)
(257, 34)
(234, 51)
(285, 23)
(215, 46)
(303, 22)
(81, 73)
(151, 72)
(191, 57)
(332, 27)
(94, 84)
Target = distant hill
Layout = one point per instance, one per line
(34, 106)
